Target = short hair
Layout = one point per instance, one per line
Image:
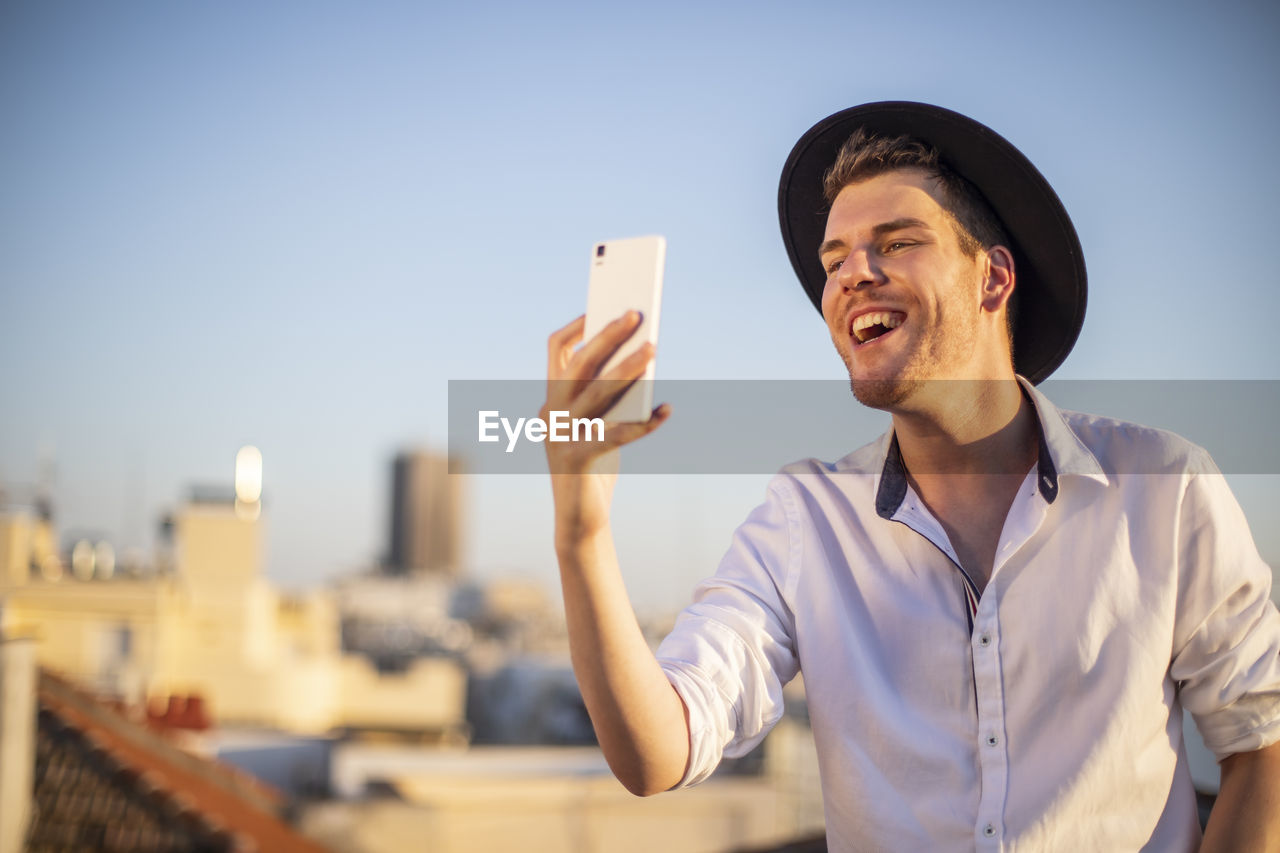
(865, 155)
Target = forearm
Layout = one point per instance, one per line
(1246, 816)
(638, 717)
(639, 720)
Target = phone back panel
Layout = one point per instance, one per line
(627, 275)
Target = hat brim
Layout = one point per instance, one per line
(1049, 263)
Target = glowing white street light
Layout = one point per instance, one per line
(248, 482)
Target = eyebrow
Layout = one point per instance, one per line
(878, 231)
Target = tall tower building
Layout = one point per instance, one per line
(426, 516)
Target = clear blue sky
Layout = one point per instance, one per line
(291, 224)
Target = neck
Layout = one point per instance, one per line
(969, 427)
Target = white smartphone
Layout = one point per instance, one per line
(627, 275)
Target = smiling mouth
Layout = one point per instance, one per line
(875, 324)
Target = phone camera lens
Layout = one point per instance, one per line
(600, 251)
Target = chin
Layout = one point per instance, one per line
(878, 392)
(883, 393)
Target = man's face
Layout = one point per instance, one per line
(902, 301)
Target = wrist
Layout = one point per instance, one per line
(576, 538)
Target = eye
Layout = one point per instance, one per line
(834, 265)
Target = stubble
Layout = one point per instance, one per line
(941, 348)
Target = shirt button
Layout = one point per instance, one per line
(984, 640)
(988, 830)
(993, 740)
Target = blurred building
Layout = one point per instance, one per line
(395, 622)
(528, 701)
(27, 546)
(17, 740)
(426, 516)
(207, 623)
(201, 645)
(395, 797)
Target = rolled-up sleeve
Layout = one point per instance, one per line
(732, 650)
(1227, 637)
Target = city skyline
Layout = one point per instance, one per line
(290, 227)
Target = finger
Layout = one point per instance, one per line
(633, 365)
(599, 396)
(588, 360)
(590, 399)
(602, 456)
(596, 396)
(618, 434)
(561, 343)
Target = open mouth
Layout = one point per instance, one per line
(875, 324)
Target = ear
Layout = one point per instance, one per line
(998, 278)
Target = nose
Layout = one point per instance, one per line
(858, 271)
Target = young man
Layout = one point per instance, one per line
(1000, 608)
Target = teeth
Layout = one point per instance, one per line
(888, 319)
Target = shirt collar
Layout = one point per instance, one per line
(1060, 452)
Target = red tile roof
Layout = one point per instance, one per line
(104, 782)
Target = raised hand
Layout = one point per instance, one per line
(575, 385)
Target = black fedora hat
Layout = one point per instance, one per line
(1047, 254)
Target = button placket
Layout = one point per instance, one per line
(989, 696)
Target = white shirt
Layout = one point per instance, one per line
(1126, 586)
